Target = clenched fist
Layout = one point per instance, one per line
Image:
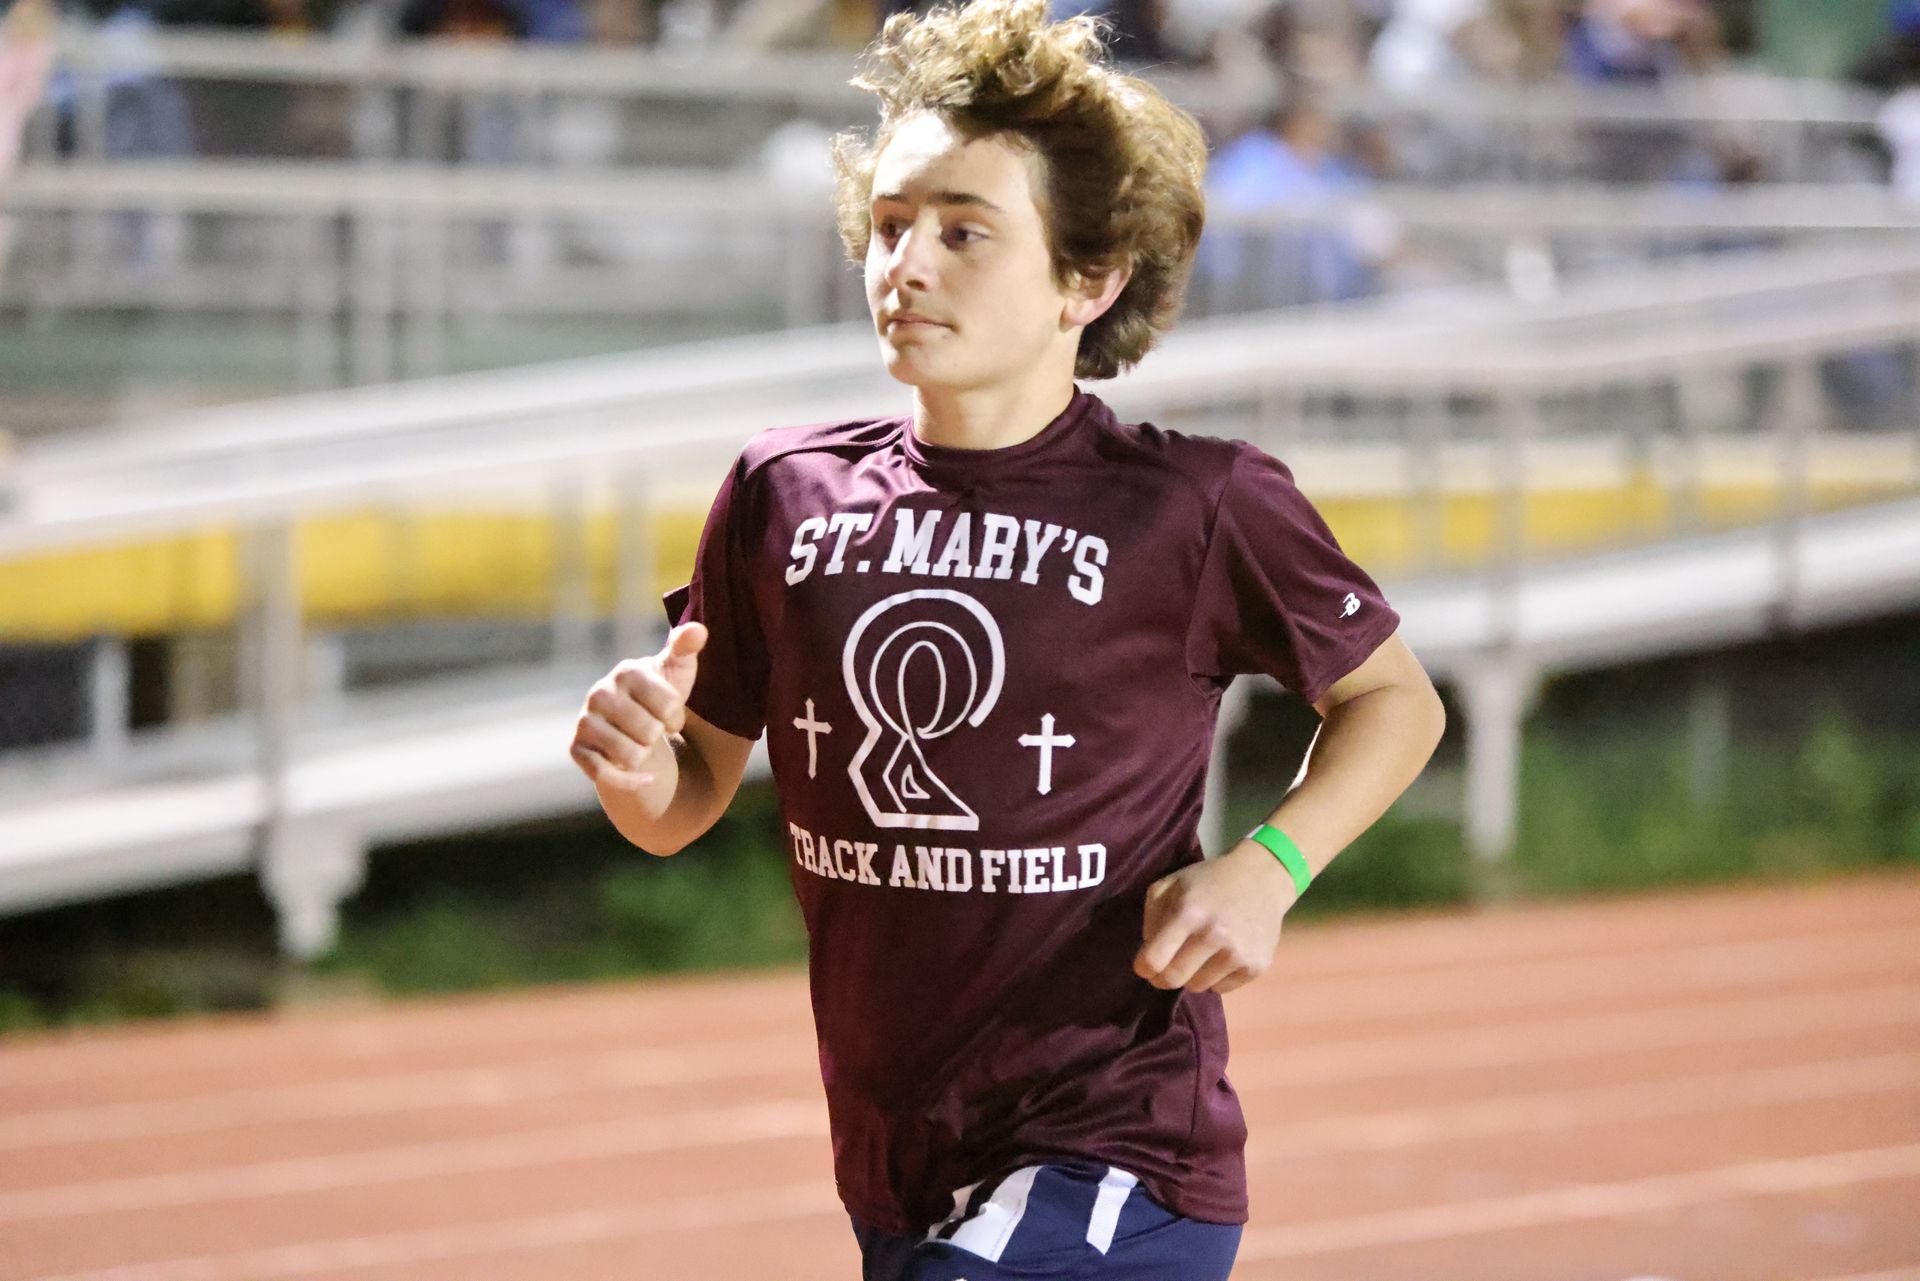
(1214, 925)
(631, 710)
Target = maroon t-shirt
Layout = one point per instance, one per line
(989, 680)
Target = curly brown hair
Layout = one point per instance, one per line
(1124, 168)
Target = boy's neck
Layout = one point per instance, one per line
(988, 417)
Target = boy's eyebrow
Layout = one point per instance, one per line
(942, 198)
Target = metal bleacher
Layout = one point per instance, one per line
(1580, 420)
(1633, 465)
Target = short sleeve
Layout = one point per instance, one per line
(1276, 594)
(730, 683)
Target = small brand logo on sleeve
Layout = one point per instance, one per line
(1350, 606)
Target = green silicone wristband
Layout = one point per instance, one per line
(1286, 851)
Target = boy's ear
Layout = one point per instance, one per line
(1090, 296)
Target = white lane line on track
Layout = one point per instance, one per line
(331, 1258)
(1407, 1128)
(1542, 1041)
(488, 1021)
(1911, 1273)
(760, 1122)
(713, 1060)
(1552, 1040)
(1624, 1199)
(1603, 1105)
(463, 1022)
(1662, 976)
(816, 1197)
(474, 1087)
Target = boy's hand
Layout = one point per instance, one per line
(1215, 925)
(634, 707)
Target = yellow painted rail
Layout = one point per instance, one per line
(367, 565)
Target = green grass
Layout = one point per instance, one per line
(725, 902)
(1603, 816)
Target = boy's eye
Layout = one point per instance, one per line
(889, 228)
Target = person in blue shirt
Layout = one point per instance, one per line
(1291, 160)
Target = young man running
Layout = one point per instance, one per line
(987, 642)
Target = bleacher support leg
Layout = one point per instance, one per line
(109, 699)
(308, 871)
(1497, 692)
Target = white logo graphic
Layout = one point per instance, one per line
(955, 634)
(1046, 740)
(812, 729)
(1350, 606)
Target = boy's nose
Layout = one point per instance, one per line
(907, 264)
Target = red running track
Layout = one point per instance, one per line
(1706, 1085)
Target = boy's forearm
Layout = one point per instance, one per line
(1369, 749)
(678, 794)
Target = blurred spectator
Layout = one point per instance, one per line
(237, 117)
(1136, 25)
(761, 25)
(138, 114)
(1641, 41)
(1428, 47)
(560, 21)
(1892, 67)
(1880, 387)
(145, 114)
(1314, 39)
(620, 23)
(1292, 161)
(587, 133)
(494, 128)
(1899, 125)
(462, 19)
(26, 61)
(1894, 61)
(1539, 29)
(1428, 44)
(282, 16)
(1716, 164)
(1189, 28)
(1707, 171)
(556, 21)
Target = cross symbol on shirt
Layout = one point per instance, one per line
(1046, 740)
(813, 728)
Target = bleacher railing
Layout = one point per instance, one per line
(381, 271)
(363, 97)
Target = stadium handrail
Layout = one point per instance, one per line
(310, 188)
(788, 360)
(581, 439)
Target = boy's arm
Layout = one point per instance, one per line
(1382, 722)
(1216, 924)
(695, 775)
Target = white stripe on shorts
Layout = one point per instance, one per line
(1114, 1187)
(991, 1227)
(960, 1196)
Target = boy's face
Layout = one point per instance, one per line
(980, 270)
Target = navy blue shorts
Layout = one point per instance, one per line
(1057, 1222)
